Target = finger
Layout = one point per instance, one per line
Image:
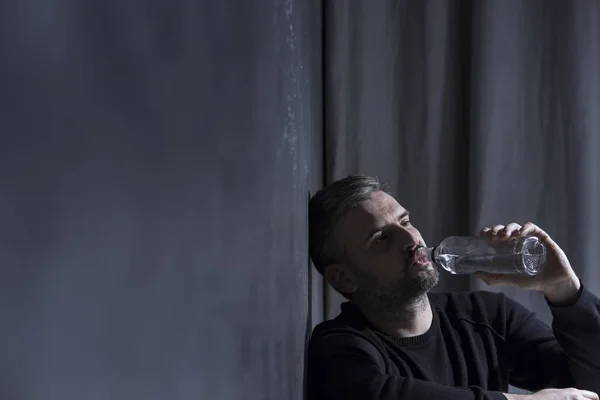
(494, 232)
(497, 229)
(489, 279)
(589, 395)
(485, 232)
(500, 279)
(509, 230)
(484, 276)
(531, 229)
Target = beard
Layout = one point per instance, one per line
(400, 295)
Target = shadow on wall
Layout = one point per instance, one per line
(315, 306)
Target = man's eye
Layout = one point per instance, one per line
(381, 238)
(405, 223)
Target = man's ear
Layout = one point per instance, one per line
(341, 277)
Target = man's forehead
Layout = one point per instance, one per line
(379, 203)
(368, 213)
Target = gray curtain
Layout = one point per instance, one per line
(476, 113)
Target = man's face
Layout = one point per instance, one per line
(379, 243)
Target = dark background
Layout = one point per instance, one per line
(156, 159)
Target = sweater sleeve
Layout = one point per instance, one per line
(347, 366)
(566, 355)
(577, 330)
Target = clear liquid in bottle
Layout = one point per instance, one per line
(466, 255)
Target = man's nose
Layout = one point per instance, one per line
(407, 239)
(410, 245)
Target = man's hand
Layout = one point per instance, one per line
(555, 394)
(557, 281)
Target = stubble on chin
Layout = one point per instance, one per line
(424, 281)
(407, 293)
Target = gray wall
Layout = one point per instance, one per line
(156, 160)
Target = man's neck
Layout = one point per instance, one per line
(411, 319)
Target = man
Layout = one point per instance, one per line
(395, 340)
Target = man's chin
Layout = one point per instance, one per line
(425, 279)
(411, 287)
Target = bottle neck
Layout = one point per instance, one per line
(426, 253)
(430, 253)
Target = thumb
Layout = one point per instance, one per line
(589, 395)
(497, 279)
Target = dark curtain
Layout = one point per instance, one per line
(476, 112)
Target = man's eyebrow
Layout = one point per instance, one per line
(403, 215)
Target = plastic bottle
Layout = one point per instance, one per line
(466, 255)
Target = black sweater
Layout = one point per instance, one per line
(478, 344)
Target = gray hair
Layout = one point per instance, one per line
(326, 208)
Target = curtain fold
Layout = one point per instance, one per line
(476, 112)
